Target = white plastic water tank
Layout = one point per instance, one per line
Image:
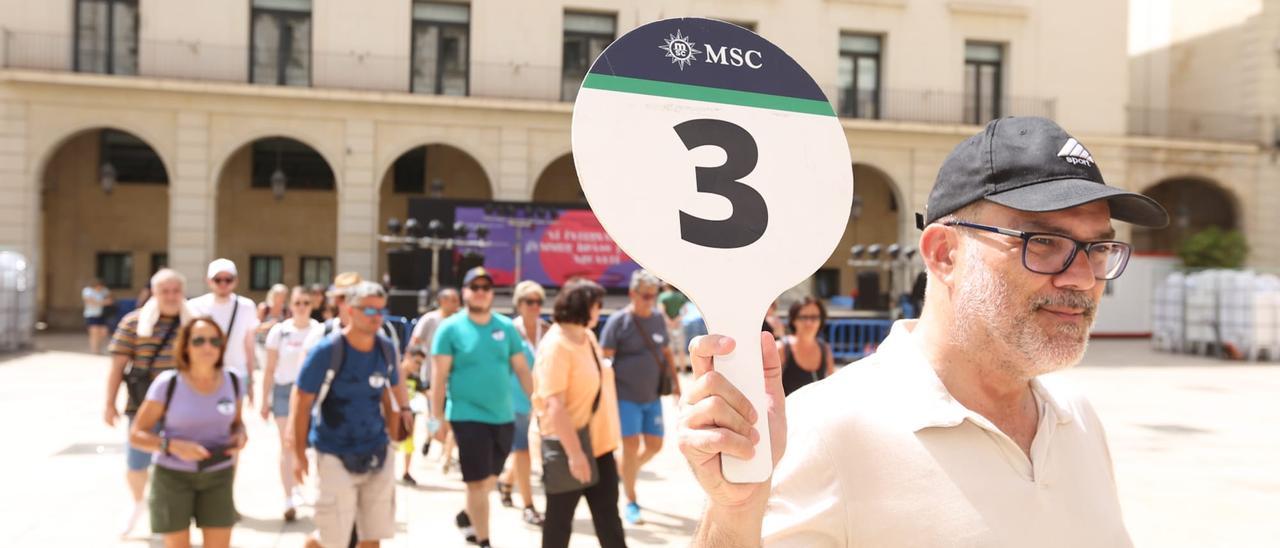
(17, 302)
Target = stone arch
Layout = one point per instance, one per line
(558, 183)
(89, 229)
(291, 239)
(472, 149)
(228, 152)
(50, 146)
(875, 218)
(1194, 203)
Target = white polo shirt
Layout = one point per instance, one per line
(880, 455)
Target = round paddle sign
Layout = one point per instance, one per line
(715, 161)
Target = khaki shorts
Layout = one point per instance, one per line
(366, 500)
(177, 497)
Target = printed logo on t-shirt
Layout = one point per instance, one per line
(377, 380)
(499, 335)
(657, 338)
(226, 407)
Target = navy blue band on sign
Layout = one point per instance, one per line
(708, 53)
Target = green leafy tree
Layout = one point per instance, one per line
(1214, 247)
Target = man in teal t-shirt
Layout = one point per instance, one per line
(474, 355)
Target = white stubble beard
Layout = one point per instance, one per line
(986, 311)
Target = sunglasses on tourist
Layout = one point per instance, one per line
(197, 342)
(480, 287)
(224, 280)
(1052, 254)
(372, 311)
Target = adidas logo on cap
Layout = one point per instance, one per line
(1075, 153)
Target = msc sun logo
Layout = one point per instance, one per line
(679, 49)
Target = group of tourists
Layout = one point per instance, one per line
(511, 394)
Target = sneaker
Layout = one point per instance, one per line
(296, 499)
(426, 447)
(464, 525)
(532, 517)
(408, 480)
(632, 514)
(132, 519)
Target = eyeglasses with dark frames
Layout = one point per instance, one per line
(1052, 254)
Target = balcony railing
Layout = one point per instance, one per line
(1187, 124)
(934, 107)
(187, 60)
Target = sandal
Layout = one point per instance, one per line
(504, 489)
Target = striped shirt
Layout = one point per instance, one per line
(142, 350)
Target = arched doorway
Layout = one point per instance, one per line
(1193, 204)
(874, 218)
(428, 171)
(558, 183)
(105, 214)
(277, 215)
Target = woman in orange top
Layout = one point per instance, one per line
(566, 378)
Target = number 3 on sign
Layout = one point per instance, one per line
(750, 215)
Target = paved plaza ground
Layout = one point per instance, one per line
(1196, 443)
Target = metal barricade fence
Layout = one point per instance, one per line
(855, 338)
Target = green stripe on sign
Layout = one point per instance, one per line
(703, 93)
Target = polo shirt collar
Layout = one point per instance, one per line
(924, 401)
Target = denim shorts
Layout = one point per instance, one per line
(280, 399)
(521, 440)
(138, 461)
(640, 418)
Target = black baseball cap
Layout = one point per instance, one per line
(1030, 164)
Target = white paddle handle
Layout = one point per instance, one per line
(744, 367)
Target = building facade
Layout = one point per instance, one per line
(283, 134)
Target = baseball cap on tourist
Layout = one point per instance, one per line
(477, 272)
(1030, 164)
(219, 266)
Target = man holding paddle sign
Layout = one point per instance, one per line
(947, 436)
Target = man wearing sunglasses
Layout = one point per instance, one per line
(948, 435)
(236, 315)
(349, 433)
(474, 355)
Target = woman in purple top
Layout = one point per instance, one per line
(194, 455)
